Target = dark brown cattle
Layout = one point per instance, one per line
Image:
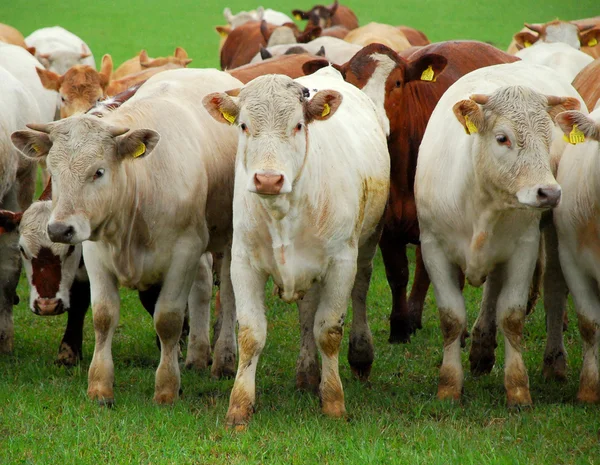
(412, 89)
(243, 43)
(414, 36)
(587, 83)
(290, 65)
(328, 16)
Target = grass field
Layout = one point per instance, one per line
(46, 418)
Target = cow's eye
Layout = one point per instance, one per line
(398, 83)
(63, 99)
(23, 252)
(99, 173)
(503, 139)
(243, 127)
(299, 127)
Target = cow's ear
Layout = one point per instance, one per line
(299, 14)
(590, 38)
(322, 106)
(137, 143)
(144, 59)
(222, 106)
(469, 114)
(49, 79)
(525, 39)
(314, 65)
(85, 52)
(426, 68)
(32, 144)
(31, 50)
(105, 71)
(223, 31)
(310, 33)
(557, 105)
(9, 221)
(577, 126)
(334, 7)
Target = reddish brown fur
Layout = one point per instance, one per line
(408, 108)
(121, 85)
(343, 16)
(414, 36)
(242, 44)
(587, 83)
(141, 62)
(46, 273)
(290, 65)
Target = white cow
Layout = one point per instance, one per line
(312, 179)
(58, 49)
(577, 222)
(145, 219)
(22, 65)
(269, 15)
(484, 175)
(336, 50)
(17, 184)
(559, 56)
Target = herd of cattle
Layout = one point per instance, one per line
(307, 151)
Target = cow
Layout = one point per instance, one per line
(336, 50)
(415, 37)
(576, 220)
(483, 178)
(17, 184)
(587, 84)
(377, 33)
(103, 107)
(316, 242)
(290, 65)
(270, 16)
(58, 49)
(559, 56)
(406, 92)
(80, 87)
(328, 16)
(243, 43)
(141, 62)
(579, 34)
(10, 35)
(145, 221)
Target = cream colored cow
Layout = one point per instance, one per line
(312, 179)
(144, 218)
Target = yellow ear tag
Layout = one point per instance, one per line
(36, 148)
(326, 110)
(229, 117)
(427, 75)
(223, 33)
(527, 43)
(141, 150)
(593, 41)
(471, 128)
(298, 17)
(575, 136)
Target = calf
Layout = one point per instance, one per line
(142, 61)
(328, 16)
(312, 175)
(558, 56)
(483, 178)
(588, 84)
(145, 221)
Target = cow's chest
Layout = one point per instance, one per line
(139, 269)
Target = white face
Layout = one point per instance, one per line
(563, 32)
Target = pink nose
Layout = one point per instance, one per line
(48, 307)
(268, 184)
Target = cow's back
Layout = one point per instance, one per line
(587, 83)
(51, 39)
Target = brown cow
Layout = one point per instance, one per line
(587, 83)
(243, 43)
(414, 36)
(142, 61)
(407, 90)
(290, 65)
(327, 16)
(121, 85)
(377, 33)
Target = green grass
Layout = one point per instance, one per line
(46, 418)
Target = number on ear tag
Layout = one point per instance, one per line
(228, 116)
(593, 41)
(471, 128)
(326, 110)
(141, 150)
(428, 75)
(527, 43)
(575, 136)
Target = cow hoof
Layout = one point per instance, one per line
(102, 395)
(361, 371)
(360, 356)
(518, 398)
(223, 366)
(400, 332)
(106, 403)
(335, 409)
(308, 380)
(165, 397)
(238, 417)
(198, 364)
(555, 367)
(67, 356)
(448, 393)
(6, 343)
(588, 395)
(482, 357)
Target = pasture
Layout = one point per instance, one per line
(45, 416)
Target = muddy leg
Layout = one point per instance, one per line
(308, 373)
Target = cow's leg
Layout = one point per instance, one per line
(308, 373)
(483, 345)
(148, 300)
(418, 292)
(555, 304)
(224, 357)
(360, 350)
(198, 351)
(445, 277)
(249, 286)
(511, 308)
(329, 328)
(105, 312)
(217, 265)
(70, 351)
(395, 261)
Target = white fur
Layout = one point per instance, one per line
(51, 40)
(336, 50)
(561, 57)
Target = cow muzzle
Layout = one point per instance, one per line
(540, 196)
(269, 182)
(48, 307)
(61, 232)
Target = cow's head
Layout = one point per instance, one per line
(273, 113)
(558, 31)
(180, 58)
(88, 160)
(318, 15)
(243, 16)
(80, 87)
(513, 130)
(60, 61)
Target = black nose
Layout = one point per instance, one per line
(61, 232)
(549, 196)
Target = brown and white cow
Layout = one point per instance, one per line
(142, 61)
(588, 84)
(484, 176)
(144, 218)
(377, 33)
(312, 179)
(328, 16)
(243, 43)
(406, 90)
